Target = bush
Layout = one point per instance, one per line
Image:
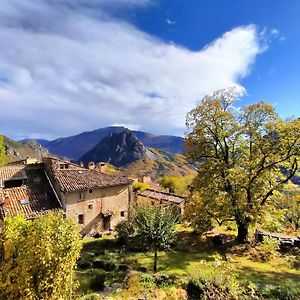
(266, 250)
(91, 297)
(198, 289)
(221, 284)
(281, 293)
(105, 265)
(124, 231)
(139, 187)
(98, 282)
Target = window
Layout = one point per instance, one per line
(152, 203)
(122, 213)
(81, 219)
(90, 191)
(90, 206)
(63, 166)
(81, 194)
(13, 183)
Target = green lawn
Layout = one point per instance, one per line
(191, 256)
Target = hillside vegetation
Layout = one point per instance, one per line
(158, 163)
(11, 150)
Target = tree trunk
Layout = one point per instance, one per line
(242, 232)
(155, 260)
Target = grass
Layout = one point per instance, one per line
(190, 257)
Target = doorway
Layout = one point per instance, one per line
(106, 223)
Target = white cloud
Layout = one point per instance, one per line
(71, 70)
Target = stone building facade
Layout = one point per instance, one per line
(96, 200)
(154, 197)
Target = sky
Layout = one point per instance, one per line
(68, 66)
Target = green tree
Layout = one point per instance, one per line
(244, 156)
(177, 184)
(156, 225)
(37, 258)
(2, 151)
(139, 187)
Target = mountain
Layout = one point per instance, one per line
(157, 163)
(124, 150)
(167, 143)
(76, 146)
(118, 149)
(41, 142)
(17, 151)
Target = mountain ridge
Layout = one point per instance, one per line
(75, 146)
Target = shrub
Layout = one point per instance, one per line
(91, 297)
(266, 250)
(139, 187)
(98, 281)
(221, 284)
(105, 265)
(281, 293)
(124, 231)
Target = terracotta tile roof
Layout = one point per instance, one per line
(34, 198)
(72, 177)
(156, 195)
(84, 179)
(12, 173)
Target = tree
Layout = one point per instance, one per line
(177, 184)
(156, 225)
(37, 258)
(244, 156)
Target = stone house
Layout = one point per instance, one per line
(97, 201)
(153, 197)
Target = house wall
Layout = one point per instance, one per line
(142, 200)
(104, 200)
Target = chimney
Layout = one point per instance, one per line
(91, 165)
(31, 161)
(146, 179)
(81, 164)
(102, 167)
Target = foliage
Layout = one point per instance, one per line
(240, 155)
(280, 293)
(98, 280)
(191, 256)
(139, 187)
(2, 151)
(177, 184)
(266, 250)
(220, 284)
(124, 231)
(38, 257)
(110, 168)
(283, 214)
(92, 296)
(201, 222)
(156, 225)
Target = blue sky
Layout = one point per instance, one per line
(275, 75)
(68, 66)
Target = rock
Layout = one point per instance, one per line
(220, 240)
(99, 264)
(119, 149)
(124, 267)
(142, 269)
(84, 264)
(107, 266)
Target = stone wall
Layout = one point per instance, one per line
(96, 204)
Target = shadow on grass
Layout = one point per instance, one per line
(279, 278)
